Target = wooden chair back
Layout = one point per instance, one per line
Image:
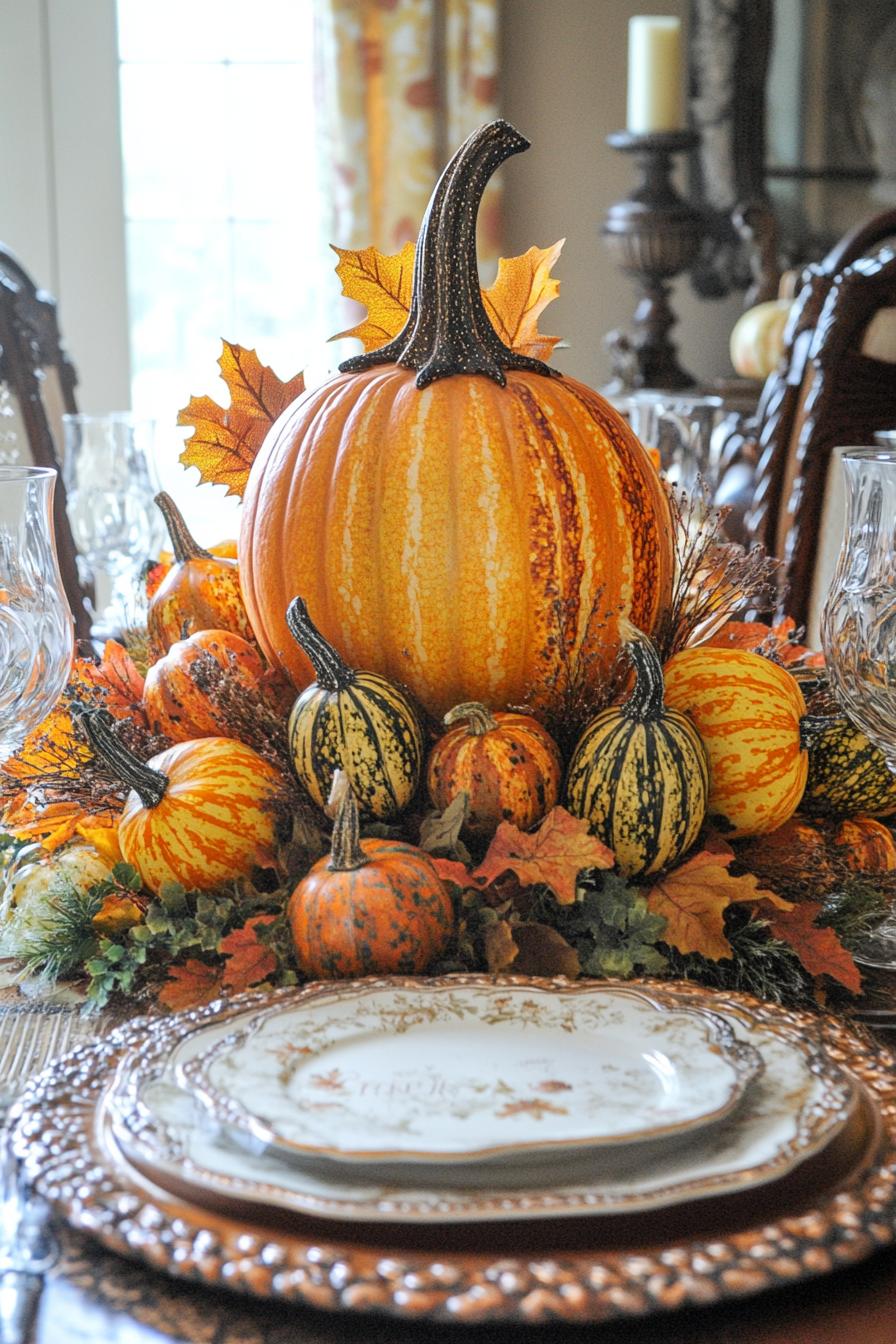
(41, 382)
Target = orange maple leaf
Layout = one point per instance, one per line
(693, 898)
(820, 950)
(522, 290)
(118, 678)
(555, 854)
(775, 641)
(190, 985)
(225, 440)
(383, 285)
(248, 960)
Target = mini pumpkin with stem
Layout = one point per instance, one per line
(200, 813)
(371, 907)
(506, 763)
(355, 721)
(201, 591)
(175, 705)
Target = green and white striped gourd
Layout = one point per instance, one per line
(639, 773)
(352, 721)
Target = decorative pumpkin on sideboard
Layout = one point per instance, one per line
(175, 705)
(506, 763)
(639, 773)
(201, 591)
(199, 813)
(356, 721)
(372, 907)
(748, 711)
(450, 509)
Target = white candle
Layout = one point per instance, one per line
(655, 93)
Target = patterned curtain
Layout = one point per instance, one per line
(400, 84)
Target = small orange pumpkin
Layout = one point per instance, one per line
(201, 591)
(373, 907)
(506, 763)
(175, 706)
(867, 845)
(199, 813)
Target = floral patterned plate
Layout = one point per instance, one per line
(795, 1109)
(448, 1075)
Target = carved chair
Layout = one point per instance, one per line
(38, 382)
(836, 384)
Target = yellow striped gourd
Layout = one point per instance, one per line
(848, 774)
(352, 721)
(639, 773)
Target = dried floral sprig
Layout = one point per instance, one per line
(245, 713)
(714, 578)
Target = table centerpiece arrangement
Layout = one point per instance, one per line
(471, 705)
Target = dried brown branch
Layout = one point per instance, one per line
(246, 714)
(715, 579)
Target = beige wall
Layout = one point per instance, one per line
(563, 85)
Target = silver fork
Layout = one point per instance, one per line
(29, 1039)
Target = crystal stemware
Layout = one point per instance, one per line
(36, 632)
(858, 626)
(683, 430)
(110, 486)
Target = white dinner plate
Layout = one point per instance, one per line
(794, 1109)
(449, 1075)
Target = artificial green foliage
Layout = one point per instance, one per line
(611, 928)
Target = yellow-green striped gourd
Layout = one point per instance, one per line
(354, 721)
(639, 774)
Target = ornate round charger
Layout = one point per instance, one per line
(445, 1075)
(793, 1110)
(834, 1211)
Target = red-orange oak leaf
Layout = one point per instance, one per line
(119, 680)
(225, 440)
(820, 950)
(248, 960)
(190, 985)
(555, 854)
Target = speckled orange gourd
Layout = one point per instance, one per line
(175, 705)
(452, 510)
(507, 764)
(748, 711)
(199, 813)
(372, 907)
(201, 591)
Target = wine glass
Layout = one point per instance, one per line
(858, 625)
(682, 428)
(36, 631)
(108, 471)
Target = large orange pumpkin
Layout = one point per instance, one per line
(453, 511)
(199, 813)
(748, 711)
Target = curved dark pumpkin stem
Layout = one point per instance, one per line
(448, 330)
(148, 784)
(330, 670)
(645, 703)
(183, 543)
(478, 718)
(345, 848)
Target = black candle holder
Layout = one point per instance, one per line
(653, 235)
